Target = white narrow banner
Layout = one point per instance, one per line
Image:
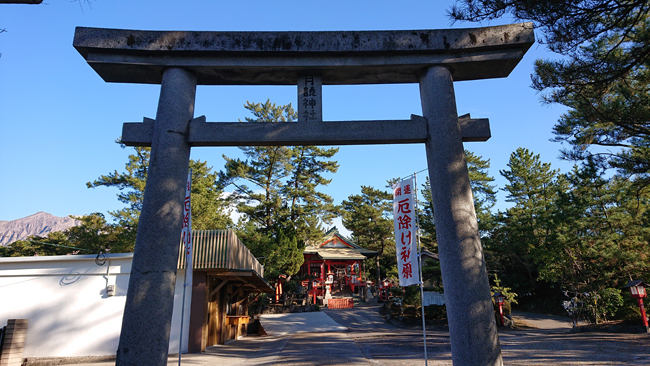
(405, 240)
(186, 233)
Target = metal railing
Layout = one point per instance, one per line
(219, 249)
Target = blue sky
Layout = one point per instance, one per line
(59, 119)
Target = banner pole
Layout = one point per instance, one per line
(180, 340)
(188, 264)
(417, 234)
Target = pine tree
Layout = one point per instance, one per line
(369, 217)
(284, 256)
(96, 235)
(308, 206)
(527, 227)
(131, 185)
(602, 75)
(209, 209)
(602, 234)
(485, 196)
(283, 199)
(35, 246)
(425, 218)
(484, 200)
(266, 167)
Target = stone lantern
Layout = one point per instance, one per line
(637, 290)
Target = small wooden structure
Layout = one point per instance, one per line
(225, 274)
(12, 342)
(340, 257)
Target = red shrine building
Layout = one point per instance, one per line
(337, 262)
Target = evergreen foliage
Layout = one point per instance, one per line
(37, 246)
(283, 203)
(98, 236)
(483, 192)
(524, 230)
(131, 184)
(602, 75)
(584, 231)
(426, 220)
(485, 195)
(601, 234)
(369, 217)
(484, 200)
(285, 255)
(209, 209)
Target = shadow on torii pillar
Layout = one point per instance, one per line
(180, 61)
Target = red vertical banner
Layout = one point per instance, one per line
(405, 232)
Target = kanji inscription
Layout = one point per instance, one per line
(310, 100)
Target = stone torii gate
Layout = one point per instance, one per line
(180, 61)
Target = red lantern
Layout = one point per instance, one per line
(637, 290)
(499, 299)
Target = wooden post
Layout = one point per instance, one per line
(198, 313)
(13, 342)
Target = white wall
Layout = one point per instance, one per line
(176, 317)
(65, 300)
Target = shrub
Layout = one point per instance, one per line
(602, 305)
(412, 296)
(509, 297)
(433, 312)
(629, 313)
(411, 310)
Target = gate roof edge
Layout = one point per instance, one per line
(278, 58)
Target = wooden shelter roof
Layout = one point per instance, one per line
(221, 253)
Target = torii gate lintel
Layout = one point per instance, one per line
(202, 133)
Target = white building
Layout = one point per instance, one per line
(75, 303)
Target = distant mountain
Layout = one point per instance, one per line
(39, 223)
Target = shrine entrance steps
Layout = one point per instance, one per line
(344, 291)
(344, 298)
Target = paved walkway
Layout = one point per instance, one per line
(360, 336)
(283, 324)
(542, 321)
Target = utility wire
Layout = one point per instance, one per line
(100, 260)
(59, 245)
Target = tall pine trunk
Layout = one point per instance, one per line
(378, 271)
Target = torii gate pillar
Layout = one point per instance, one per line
(153, 273)
(472, 327)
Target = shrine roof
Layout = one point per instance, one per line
(339, 254)
(336, 246)
(278, 58)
